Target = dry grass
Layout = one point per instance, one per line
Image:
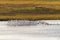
(30, 16)
(33, 17)
(29, 2)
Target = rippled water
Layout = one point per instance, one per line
(33, 32)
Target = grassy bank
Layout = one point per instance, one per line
(29, 10)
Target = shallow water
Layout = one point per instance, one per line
(37, 32)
